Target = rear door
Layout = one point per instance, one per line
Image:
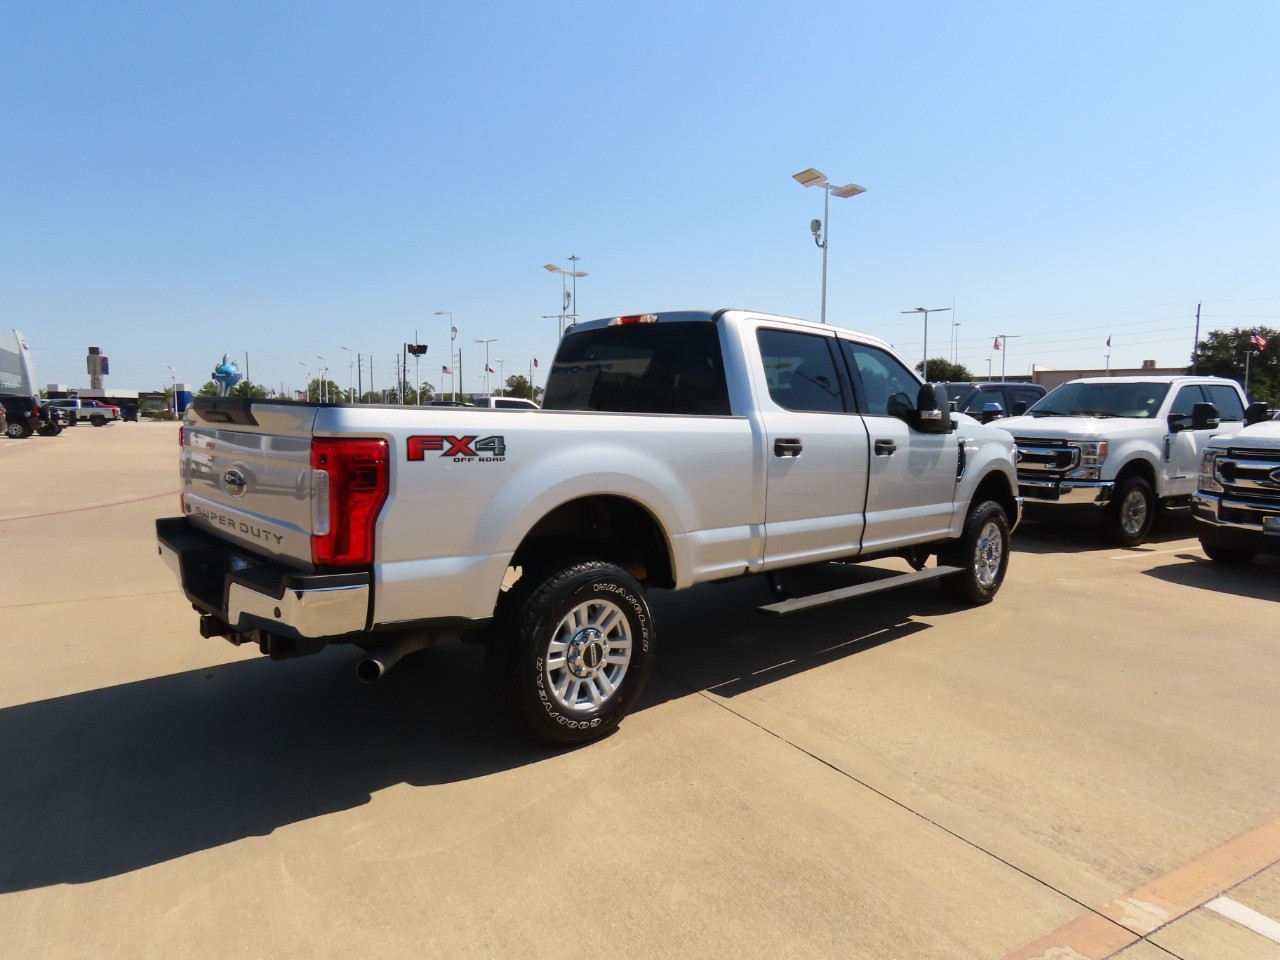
(912, 481)
(816, 450)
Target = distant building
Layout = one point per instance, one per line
(1049, 378)
(17, 374)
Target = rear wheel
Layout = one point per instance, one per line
(1220, 554)
(17, 430)
(1127, 518)
(981, 553)
(573, 646)
(97, 419)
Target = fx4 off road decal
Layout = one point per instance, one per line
(459, 449)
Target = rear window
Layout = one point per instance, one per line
(673, 367)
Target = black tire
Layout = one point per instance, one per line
(49, 429)
(1126, 520)
(982, 554)
(16, 430)
(1220, 554)
(554, 692)
(98, 420)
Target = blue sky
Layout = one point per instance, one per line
(282, 179)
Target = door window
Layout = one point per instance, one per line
(800, 371)
(1226, 400)
(1187, 398)
(888, 388)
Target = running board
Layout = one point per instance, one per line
(860, 590)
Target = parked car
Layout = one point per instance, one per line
(23, 415)
(991, 401)
(507, 403)
(55, 419)
(95, 411)
(446, 403)
(1237, 501)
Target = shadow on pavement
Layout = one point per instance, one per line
(104, 782)
(1259, 580)
(1075, 529)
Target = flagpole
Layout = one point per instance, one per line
(1247, 354)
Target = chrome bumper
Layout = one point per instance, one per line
(1210, 508)
(248, 595)
(1066, 492)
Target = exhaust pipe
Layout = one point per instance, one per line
(375, 666)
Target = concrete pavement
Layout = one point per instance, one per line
(1090, 756)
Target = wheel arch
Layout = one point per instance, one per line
(1140, 467)
(605, 527)
(997, 486)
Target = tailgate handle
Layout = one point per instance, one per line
(789, 447)
(885, 448)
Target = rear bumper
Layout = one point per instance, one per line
(247, 594)
(1065, 492)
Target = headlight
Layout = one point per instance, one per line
(1092, 454)
(1209, 472)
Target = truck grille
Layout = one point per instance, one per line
(1251, 476)
(1045, 456)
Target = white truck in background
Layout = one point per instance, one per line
(672, 449)
(1237, 502)
(1121, 444)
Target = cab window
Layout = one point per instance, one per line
(801, 371)
(1226, 400)
(888, 388)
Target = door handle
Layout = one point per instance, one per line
(789, 447)
(885, 448)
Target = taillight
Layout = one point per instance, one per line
(349, 486)
(182, 436)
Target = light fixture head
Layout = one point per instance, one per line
(848, 190)
(810, 178)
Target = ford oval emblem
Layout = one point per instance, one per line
(1275, 475)
(234, 482)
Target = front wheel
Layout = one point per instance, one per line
(1126, 521)
(981, 553)
(573, 650)
(1224, 554)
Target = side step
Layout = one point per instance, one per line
(858, 590)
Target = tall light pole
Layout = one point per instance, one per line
(565, 296)
(926, 311)
(453, 335)
(502, 389)
(486, 343)
(1003, 340)
(306, 380)
(820, 231)
(324, 376)
(173, 388)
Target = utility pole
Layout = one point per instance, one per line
(1195, 346)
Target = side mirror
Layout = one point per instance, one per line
(991, 411)
(1019, 407)
(1204, 416)
(933, 409)
(1255, 413)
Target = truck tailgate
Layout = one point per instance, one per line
(249, 480)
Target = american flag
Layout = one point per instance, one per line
(1259, 341)
(996, 345)
(535, 363)
(491, 370)
(446, 370)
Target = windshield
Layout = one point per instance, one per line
(1140, 400)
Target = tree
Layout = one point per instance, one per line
(242, 389)
(1223, 354)
(942, 370)
(518, 386)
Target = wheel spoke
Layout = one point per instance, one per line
(593, 691)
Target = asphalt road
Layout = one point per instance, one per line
(1085, 768)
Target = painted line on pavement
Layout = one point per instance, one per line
(1124, 921)
(92, 506)
(1246, 917)
(1190, 545)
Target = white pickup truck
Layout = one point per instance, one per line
(671, 450)
(1237, 503)
(1123, 444)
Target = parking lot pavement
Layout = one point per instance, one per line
(1087, 764)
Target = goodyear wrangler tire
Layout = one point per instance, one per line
(1126, 520)
(982, 554)
(574, 648)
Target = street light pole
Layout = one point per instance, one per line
(565, 296)
(306, 380)
(351, 383)
(486, 342)
(324, 375)
(924, 369)
(502, 390)
(821, 230)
